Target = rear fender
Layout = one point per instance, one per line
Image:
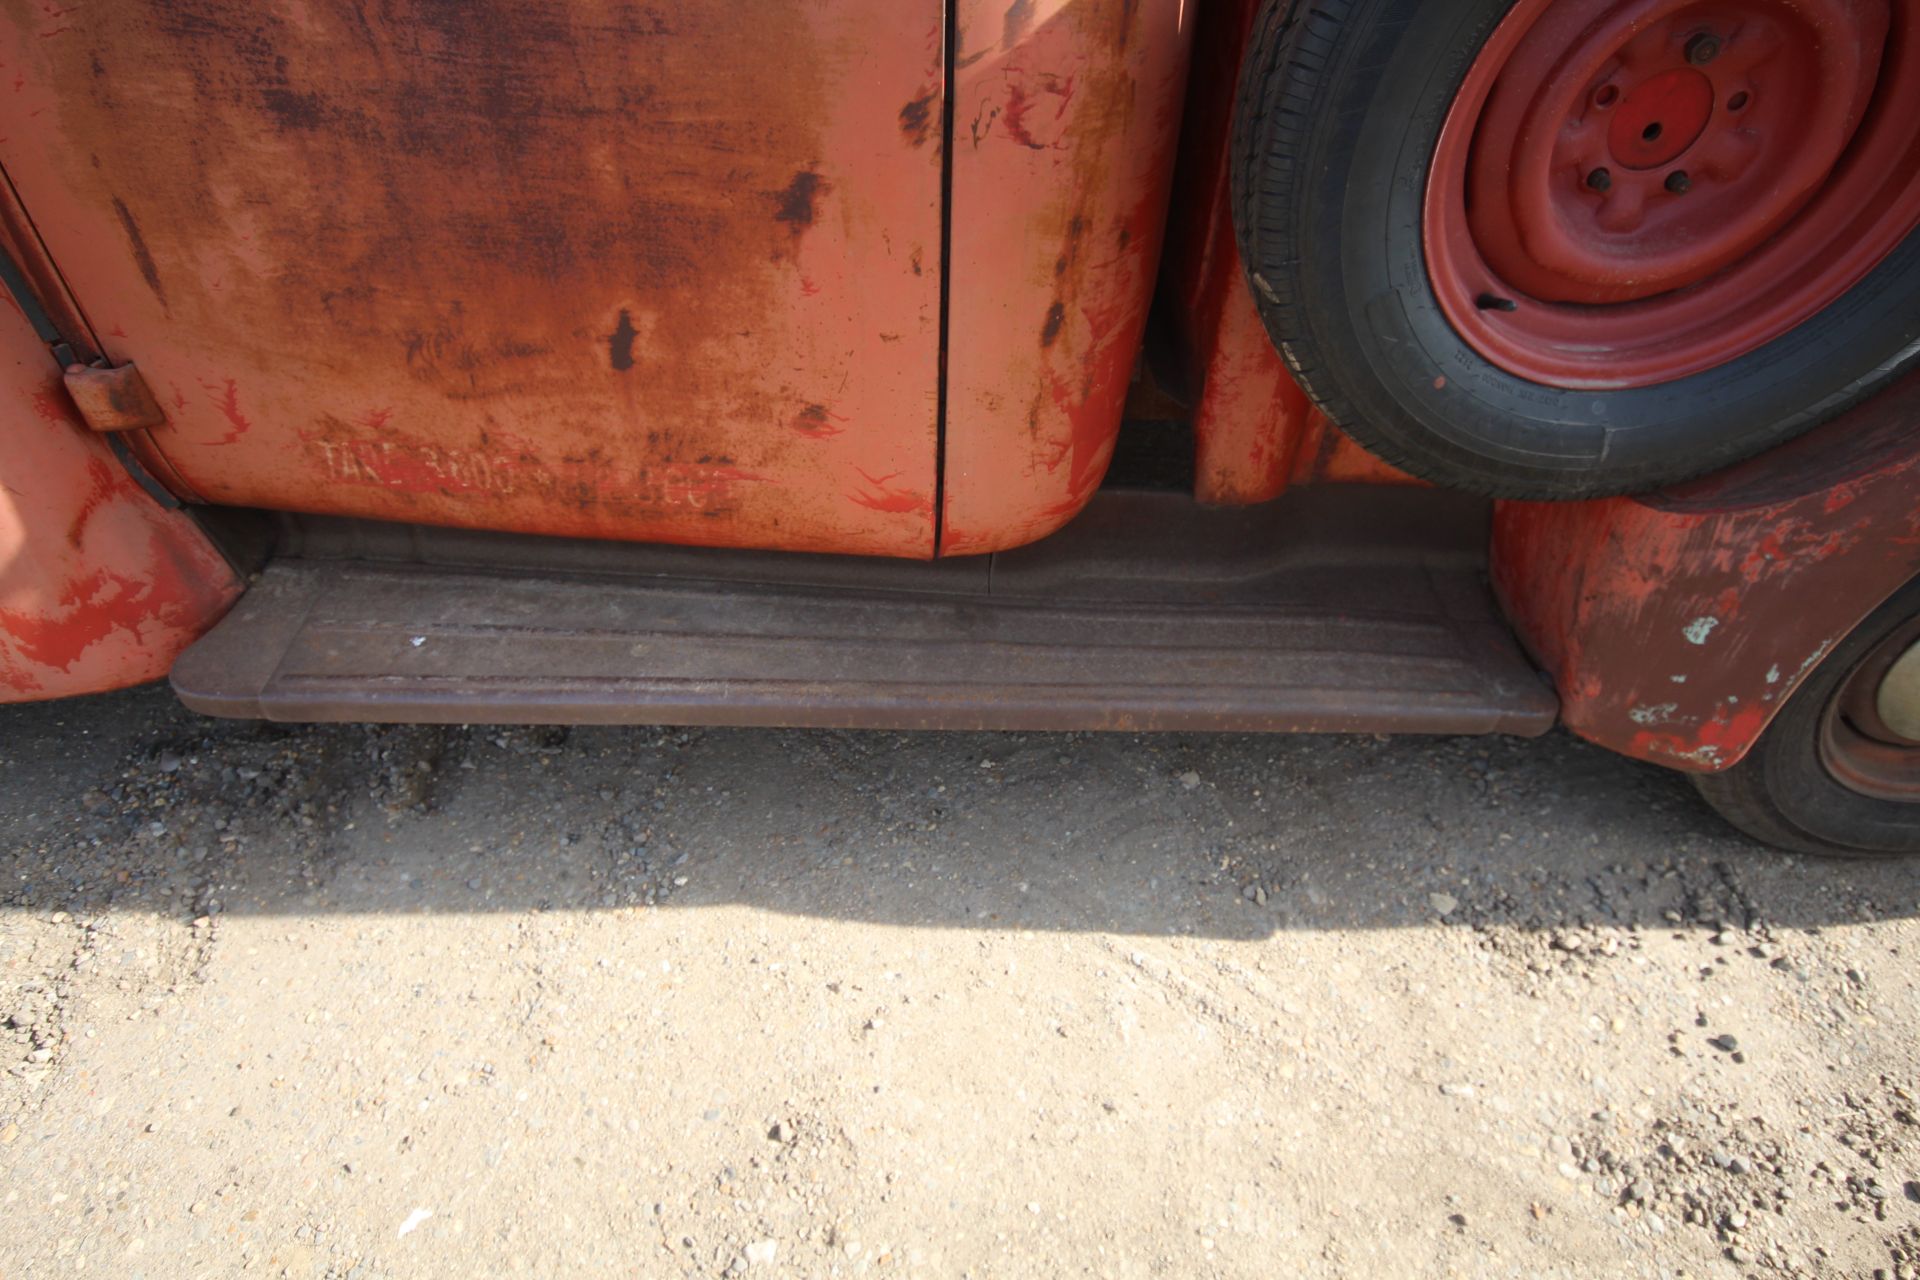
(1676, 624)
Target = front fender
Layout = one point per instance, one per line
(100, 586)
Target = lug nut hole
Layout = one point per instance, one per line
(1608, 95)
(1703, 48)
(1600, 180)
(1678, 182)
(1738, 101)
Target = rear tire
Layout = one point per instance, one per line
(1790, 791)
(1339, 121)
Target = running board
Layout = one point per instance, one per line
(1149, 613)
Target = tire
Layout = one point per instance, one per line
(1340, 113)
(1786, 793)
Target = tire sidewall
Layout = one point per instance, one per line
(1795, 776)
(1386, 95)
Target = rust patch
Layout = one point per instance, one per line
(916, 118)
(620, 343)
(817, 422)
(1035, 111)
(142, 256)
(113, 397)
(797, 204)
(1056, 317)
(294, 110)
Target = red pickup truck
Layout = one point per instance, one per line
(1453, 366)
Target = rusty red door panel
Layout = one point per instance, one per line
(1066, 115)
(99, 586)
(644, 271)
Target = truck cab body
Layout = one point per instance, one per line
(908, 364)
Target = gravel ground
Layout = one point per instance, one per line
(399, 1001)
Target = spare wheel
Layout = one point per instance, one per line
(1564, 248)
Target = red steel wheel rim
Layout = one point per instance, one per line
(1627, 192)
(1859, 749)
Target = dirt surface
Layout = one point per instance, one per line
(358, 1002)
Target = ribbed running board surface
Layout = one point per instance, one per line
(1367, 647)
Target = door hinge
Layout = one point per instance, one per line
(113, 397)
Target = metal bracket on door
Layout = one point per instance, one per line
(113, 397)
(109, 399)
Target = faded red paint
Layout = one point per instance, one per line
(1712, 742)
(817, 422)
(1254, 431)
(56, 634)
(99, 586)
(638, 240)
(1066, 119)
(227, 400)
(1676, 625)
(106, 483)
(880, 493)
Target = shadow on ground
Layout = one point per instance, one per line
(128, 801)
